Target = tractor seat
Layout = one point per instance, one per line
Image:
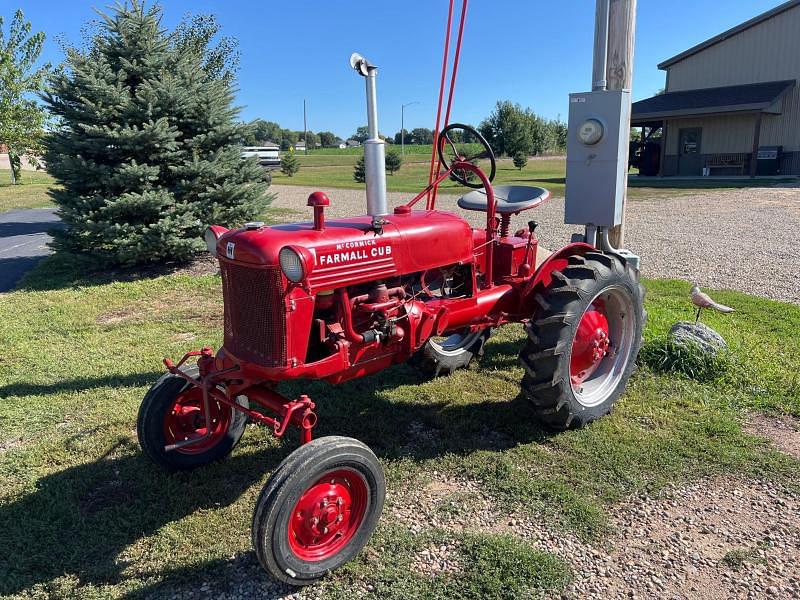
(511, 199)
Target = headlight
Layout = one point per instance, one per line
(211, 236)
(292, 264)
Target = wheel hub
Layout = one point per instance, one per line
(592, 343)
(327, 515)
(185, 420)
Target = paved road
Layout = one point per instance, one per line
(23, 242)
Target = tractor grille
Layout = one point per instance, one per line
(255, 318)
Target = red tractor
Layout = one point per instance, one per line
(342, 298)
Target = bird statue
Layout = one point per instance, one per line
(702, 300)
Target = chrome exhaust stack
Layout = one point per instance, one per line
(374, 147)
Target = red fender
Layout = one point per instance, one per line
(557, 261)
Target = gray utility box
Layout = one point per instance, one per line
(597, 157)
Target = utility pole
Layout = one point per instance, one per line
(403, 127)
(615, 32)
(305, 127)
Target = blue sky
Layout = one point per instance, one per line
(534, 52)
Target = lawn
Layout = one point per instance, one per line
(31, 192)
(413, 175)
(332, 168)
(83, 513)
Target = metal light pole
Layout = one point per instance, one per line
(403, 126)
(305, 128)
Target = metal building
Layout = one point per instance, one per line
(731, 104)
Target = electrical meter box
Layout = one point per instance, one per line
(597, 157)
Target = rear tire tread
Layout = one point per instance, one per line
(545, 357)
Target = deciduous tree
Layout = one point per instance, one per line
(22, 118)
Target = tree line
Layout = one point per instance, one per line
(510, 129)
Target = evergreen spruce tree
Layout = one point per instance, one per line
(393, 161)
(147, 146)
(289, 164)
(520, 160)
(359, 171)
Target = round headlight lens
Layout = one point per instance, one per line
(292, 264)
(211, 241)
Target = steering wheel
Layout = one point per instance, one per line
(466, 145)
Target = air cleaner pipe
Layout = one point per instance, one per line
(374, 147)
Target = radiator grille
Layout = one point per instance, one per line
(255, 318)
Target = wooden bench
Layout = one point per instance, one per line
(728, 161)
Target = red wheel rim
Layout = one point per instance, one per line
(185, 420)
(328, 515)
(591, 343)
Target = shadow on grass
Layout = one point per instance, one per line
(64, 270)
(79, 521)
(79, 384)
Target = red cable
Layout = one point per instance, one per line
(456, 60)
(441, 97)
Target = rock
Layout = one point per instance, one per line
(698, 334)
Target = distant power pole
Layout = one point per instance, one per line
(403, 125)
(305, 127)
(615, 32)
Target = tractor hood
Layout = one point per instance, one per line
(348, 251)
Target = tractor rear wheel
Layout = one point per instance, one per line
(172, 410)
(318, 509)
(442, 355)
(582, 344)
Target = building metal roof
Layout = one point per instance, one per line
(728, 34)
(753, 97)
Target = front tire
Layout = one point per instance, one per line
(172, 410)
(582, 345)
(443, 355)
(318, 509)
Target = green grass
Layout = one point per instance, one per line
(332, 168)
(736, 559)
(83, 513)
(413, 176)
(31, 192)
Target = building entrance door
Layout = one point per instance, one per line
(690, 161)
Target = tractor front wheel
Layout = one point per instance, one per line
(172, 411)
(318, 509)
(583, 342)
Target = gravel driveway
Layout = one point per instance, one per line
(734, 239)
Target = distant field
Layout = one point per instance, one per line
(333, 168)
(30, 193)
(413, 176)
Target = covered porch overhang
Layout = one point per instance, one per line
(753, 99)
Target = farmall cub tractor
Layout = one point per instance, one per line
(336, 299)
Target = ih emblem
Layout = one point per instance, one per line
(229, 250)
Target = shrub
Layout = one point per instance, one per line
(665, 355)
(359, 171)
(520, 160)
(146, 149)
(464, 174)
(289, 164)
(393, 162)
